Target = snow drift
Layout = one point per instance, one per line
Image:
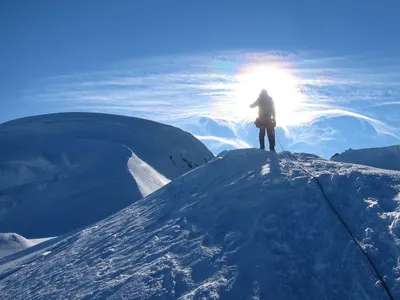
(247, 225)
(384, 157)
(60, 172)
(11, 243)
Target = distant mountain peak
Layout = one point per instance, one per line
(380, 157)
(60, 172)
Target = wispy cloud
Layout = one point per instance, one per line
(220, 86)
(237, 143)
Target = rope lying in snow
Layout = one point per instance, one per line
(378, 275)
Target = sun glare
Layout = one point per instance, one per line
(281, 84)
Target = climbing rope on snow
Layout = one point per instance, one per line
(378, 275)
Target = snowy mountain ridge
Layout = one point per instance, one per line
(248, 224)
(381, 157)
(60, 172)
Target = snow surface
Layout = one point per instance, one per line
(384, 157)
(60, 172)
(249, 224)
(11, 243)
(147, 178)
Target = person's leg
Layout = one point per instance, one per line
(271, 138)
(261, 138)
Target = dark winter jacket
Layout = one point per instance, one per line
(266, 109)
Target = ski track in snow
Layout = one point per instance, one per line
(247, 225)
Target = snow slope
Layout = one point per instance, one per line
(384, 157)
(11, 243)
(249, 224)
(60, 172)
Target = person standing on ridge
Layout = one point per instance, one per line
(266, 118)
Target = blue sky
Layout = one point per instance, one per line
(333, 67)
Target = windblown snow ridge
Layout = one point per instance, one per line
(247, 225)
(146, 177)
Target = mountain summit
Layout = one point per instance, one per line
(249, 224)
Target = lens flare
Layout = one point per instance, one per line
(280, 82)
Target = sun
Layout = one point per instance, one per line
(281, 84)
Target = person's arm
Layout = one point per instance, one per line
(254, 104)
